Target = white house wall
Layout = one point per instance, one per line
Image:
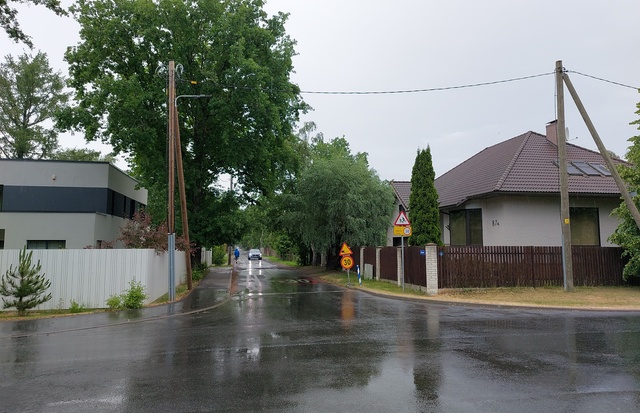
(533, 220)
(70, 174)
(392, 221)
(124, 184)
(78, 230)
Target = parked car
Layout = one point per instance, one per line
(254, 253)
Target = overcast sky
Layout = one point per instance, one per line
(381, 45)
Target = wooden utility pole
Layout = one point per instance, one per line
(171, 238)
(183, 201)
(603, 151)
(171, 149)
(564, 182)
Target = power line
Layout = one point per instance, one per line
(424, 90)
(602, 80)
(434, 89)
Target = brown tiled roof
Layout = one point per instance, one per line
(524, 164)
(402, 191)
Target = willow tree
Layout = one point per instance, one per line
(230, 53)
(339, 198)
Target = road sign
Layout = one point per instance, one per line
(345, 250)
(402, 220)
(402, 231)
(346, 262)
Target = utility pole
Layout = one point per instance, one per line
(603, 151)
(171, 177)
(183, 201)
(567, 263)
(181, 186)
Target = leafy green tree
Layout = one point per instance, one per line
(9, 20)
(231, 53)
(627, 234)
(25, 284)
(424, 213)
(30, 95)
(82, 154)
(340, 199)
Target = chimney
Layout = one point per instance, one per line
(552, 132)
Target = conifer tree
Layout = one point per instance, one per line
(424, 214)
(24, 284)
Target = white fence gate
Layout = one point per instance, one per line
(91, 276)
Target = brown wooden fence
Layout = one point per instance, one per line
(478, 267)
(389, 263)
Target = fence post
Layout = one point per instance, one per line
(399, 266)
(362, 261)
(378, 263)
(431, 257)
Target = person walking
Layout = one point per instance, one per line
(236, 254)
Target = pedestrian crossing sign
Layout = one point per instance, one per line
(402, 220)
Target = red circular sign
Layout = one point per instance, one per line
(346, 262)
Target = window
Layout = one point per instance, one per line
(465, 227)
(601, 168)
(585, 226)
(586, 168)
(46, 244)
(2, 239)
(1, 193)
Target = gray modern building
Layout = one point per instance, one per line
(64, 204)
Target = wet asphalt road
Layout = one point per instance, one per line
(282, 343)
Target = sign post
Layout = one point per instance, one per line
(346, 261)
(402, 227)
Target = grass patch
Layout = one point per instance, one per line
(283, 262)
(620, 298)
(35, 314)
(181, 292)
(388, 287)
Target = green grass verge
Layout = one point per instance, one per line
(341, 278)
(281, 261)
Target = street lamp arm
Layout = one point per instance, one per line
(191, 96)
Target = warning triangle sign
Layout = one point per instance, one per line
(402, 219)
(345, 250)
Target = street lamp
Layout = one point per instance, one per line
(175, 156)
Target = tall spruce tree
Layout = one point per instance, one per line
(423, 202)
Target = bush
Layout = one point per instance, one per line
(114, 302)
(197, 274)
(133, 298)
(219, 255)
(76, 307)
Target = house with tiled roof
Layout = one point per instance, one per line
(509, 194)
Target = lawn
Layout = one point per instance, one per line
(621, 298)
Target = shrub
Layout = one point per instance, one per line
(76, 307)
(197, 274)
(114, 302)
(219, 255)
(133, 298)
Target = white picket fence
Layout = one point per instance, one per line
(91, 276)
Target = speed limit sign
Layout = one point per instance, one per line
(346, 262)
